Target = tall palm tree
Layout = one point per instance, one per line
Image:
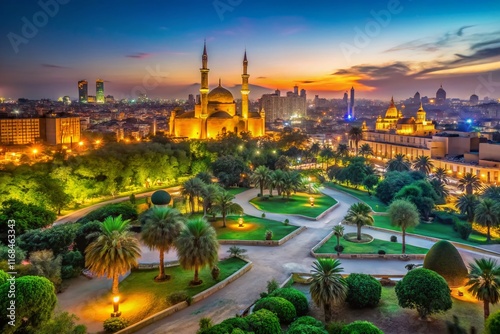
(399, 163)
(359, 214)
(292, 182)
(403, 214)
(441, 174)
(356, 134)
(192, 190)
(328, 287)
(365, 150)
(208, 194)
(343, 150)
(492, 192)
(487, 214)
(423, 164)
(440, 188)
(484, 282)
(114, 252)
(315, 149)
(277, 179)
(224, 205)
(162, 225)
(469, 183)
(327, 154)
(261, 176)
(338, 231)
(197, 247)
(467, 204)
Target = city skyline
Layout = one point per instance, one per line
(384, 49)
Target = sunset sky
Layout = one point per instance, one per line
(382, 48)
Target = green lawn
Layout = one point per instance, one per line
(362, 195)
(142, 297)
(254, 228)
(435, 230)
(369, 248)
(297, 204)
(236, 191)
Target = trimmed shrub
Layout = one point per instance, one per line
(218, 329)
(335, 327)
(112, 325)
(177, 297)
(269, 234)
(125, 209)
(280, 306)
(463, 228)
(296, 297)
(339, 248)
(492, 325)
(236, 322)
(445, 218)
(263, 215)
(286, 222)
(307, 320)
(215, 273)
(264, 322)
(361, 327)
(381, 252)
(205, 324)
(3, 277)
(363, 291)
(394, 238)
(306, 329)
(444, 259)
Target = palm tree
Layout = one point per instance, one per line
(197, 247)
(315, 149)
(469, 183)
(467, 204)
(487, 214)
(224, 205)
(492, 192)
(441, 174)
(403, 214)
(338, 231)
(356, 134)
(328, 287)
(365, 150)
(327, 154)
(423, 164)
(277, 180)
(440, 188)
(399, 163)
(292, 182)
(343, 150)
(359, 214)
(192, 189)
(262, 176)
(114, 252)
(484, 282)
(208, 194)
(162, 225)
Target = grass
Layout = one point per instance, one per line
(372, 201)
(254, 228)
(436, 230)
(141, 297)
(392, 319)
(236, 191)
(369, 248)
(297, 204)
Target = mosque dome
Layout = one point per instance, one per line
(220, 95)
(392, 111)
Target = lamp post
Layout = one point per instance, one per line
(240, 222)
(311, 200)
(116, 305)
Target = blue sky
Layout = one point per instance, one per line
(319, 45)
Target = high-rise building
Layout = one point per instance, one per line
(83, 91)
(440, 95)
(99, 91)
(19, 131)
(416, 98)
(350, 107)
(296, 90)
(60, 130)
(284, 107)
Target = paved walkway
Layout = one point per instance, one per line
(269, 263)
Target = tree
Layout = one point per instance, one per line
(338, 231)
(328, 287)
(206, 177)
(43, 263)
(53, 193)
(441, 174)
(197, 247)
(228, 169)
(467, 204)
(492, 325)
(292, 182)
(26, 216)
(62, 323)
(391, 184)
(35, 302)
(282, 163)
(326, 155)
(224, 205)
(315, 149)
(492, 192)
(58, 239)
(403, 214)
(440, 189)
(363, 290)
(343, 150)
(114, 252)
(423, 164)
(370, 181)
(487, 213)
(399, 163)
(356, 134)
(192, 189)
(365, 150)
(208, 194)
(484, 282)
(469, 183)
(162, 225)
(424, 290)
(261, 176)
(359, 214)
(124, 209)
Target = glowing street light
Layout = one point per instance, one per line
(240, 222)
(116, 305)
(311, 200)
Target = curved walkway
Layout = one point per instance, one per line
(269, 263)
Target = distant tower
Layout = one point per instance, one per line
(153, 127)
(99, 91)
(440, 95)
(277, 92)
(474, 99)
(244, 90)
(416, 98)
(296, 90)
(303, 93)
(345, 99)
(350, 114)
(83, 91)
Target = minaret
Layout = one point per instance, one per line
(352, 104)
(204, 92)
(244, 90)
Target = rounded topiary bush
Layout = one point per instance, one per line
(492, 325)
(307, 320)
(3, 277)
(294, 296)
(264, 322)
(112, 325)
(361, 327)
(306, 329)
(236, 322)
(363, 290)
(444, 259)
(218, 329)
(280, 306)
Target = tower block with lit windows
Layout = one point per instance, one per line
(215, 114)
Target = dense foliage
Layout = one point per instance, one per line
(264, 322)
(361, 327)
(125, 209)
(294, 296)
(115, 324)
(306, 329)
(363, 290)
(445, 259)
(26, 216)
(281, 307)
(492, 325)
(57, 239)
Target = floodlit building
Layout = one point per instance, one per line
(99, 91)
(83, 91)
(19, 131)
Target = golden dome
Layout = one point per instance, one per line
(392, 111)
(220, 95)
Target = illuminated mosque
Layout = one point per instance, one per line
(215, 114)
